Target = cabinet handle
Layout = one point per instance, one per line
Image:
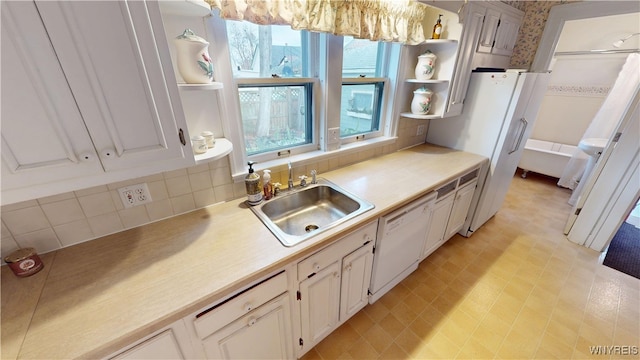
(251, 321)
(86, 157)
(316, 266)
(248, 307)
(348, 267)
(183, 141)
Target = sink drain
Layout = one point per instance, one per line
(310, 228)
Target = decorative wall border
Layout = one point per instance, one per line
(579, 90)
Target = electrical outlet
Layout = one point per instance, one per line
(134, 195)
(333, 135)
(420, 130)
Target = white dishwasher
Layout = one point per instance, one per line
(401, 236)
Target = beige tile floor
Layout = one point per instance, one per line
(516, 289)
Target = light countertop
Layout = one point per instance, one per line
(96, 297)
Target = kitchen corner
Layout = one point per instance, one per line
(97, 297)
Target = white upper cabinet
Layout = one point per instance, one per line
(42, 129)
(89, 97)
(499, 32)
(471, 30)
(489, 29)
(489, 33)
(507, 35)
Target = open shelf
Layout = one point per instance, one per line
(430, 81)
(223, 147)
(420, 116)
(197, 8)
(211, 86)
(440, 41)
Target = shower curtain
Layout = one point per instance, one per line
(605, 121)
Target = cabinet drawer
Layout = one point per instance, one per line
(211, 320)
(345, 245)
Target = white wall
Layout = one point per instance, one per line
(580, 83)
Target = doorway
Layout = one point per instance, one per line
(562, 15)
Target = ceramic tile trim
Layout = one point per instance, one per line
(579, 90)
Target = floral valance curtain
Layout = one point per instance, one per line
(379, 20)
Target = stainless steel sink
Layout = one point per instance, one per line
(296, 215)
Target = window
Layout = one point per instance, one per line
(362, 87)
(292, 87)
(288, 123)
(270, 64)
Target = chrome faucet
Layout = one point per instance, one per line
(313, 176)
(290, 182)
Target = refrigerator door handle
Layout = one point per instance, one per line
(525, 123)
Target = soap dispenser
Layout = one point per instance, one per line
(252, 183)
(437, 28)
(267, 188)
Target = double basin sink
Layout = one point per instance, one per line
(299, 214)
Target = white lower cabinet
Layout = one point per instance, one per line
(356, 274)
(320, 305)
(460, 208)
(334, 285)
(171, 342)
(439, 216)
(264, 333)
(254, 324)
(450, 211)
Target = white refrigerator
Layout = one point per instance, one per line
(496, 122)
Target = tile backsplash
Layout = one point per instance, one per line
(65, 219)
(54, 222)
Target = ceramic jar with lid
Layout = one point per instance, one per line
(209, 138)
(421, 103)
(194, 64)
(426, 66)
(199, 144)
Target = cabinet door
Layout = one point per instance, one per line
(170, 343)
(356, 276)
(264, 333)
(161, 346)
(489, 30)
(474, 14)
(460, 209)
(438, 224)
(43, 133)
(506, 35)
(115, 56)
(319, 305)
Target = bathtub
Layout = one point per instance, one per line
(545, 157)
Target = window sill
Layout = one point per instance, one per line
(319, 155)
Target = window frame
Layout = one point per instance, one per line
(378, 106)
(382, 78)
(312, 85)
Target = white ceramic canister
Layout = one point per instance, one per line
(194, 63)
(421, 103)
(208, 136)
(199, 144)
(426, 66)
